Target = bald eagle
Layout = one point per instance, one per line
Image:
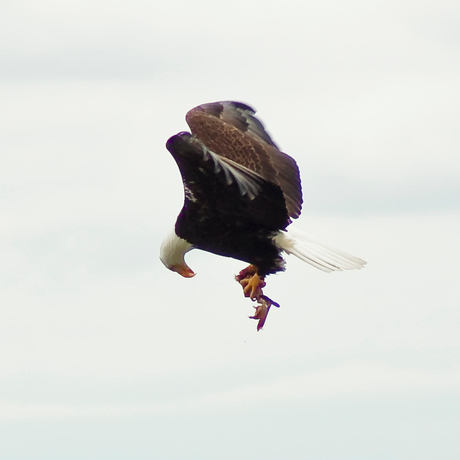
(241, 194)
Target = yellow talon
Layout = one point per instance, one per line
(251, 282)
(250, 286)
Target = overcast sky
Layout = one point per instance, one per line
(105, 354)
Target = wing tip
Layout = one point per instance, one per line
(173, 141)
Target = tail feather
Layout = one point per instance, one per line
(319, 255)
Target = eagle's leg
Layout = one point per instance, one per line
(251, 282)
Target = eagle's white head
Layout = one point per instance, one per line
(172, 252)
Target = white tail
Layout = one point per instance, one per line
(310, 250)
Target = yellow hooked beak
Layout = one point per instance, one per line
(183, 270)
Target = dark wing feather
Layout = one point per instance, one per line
(219, 192)
(230, 130)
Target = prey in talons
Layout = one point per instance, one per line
(252, 285)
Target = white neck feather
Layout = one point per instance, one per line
(173, 250)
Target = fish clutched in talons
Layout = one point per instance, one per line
(252, 285)
(262, 310)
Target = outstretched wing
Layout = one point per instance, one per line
(221, 193)
(231, 130)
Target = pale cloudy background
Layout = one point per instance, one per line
(104, 354)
